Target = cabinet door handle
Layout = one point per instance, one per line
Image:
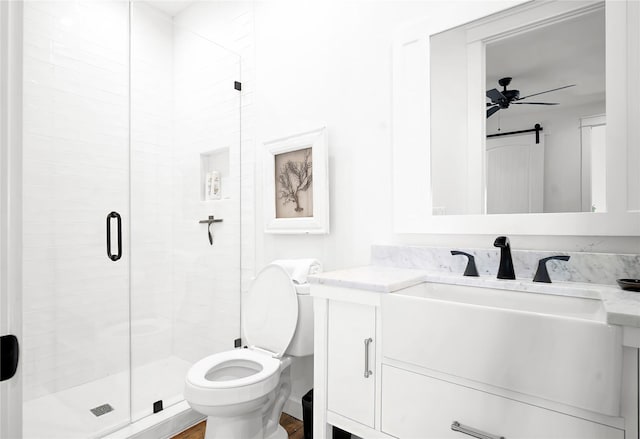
(367, 342)
(456, 426)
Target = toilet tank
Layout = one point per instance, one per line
(302, 343)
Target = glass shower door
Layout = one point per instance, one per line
(185, 167)
(75, 351)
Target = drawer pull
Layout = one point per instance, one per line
(367, 372)
(456, 426)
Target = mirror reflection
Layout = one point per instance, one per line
(544, 114)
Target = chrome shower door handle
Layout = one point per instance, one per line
(118, 255)
(367, 342)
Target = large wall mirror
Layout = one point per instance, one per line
(531, 122)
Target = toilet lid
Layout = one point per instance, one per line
(271, 311)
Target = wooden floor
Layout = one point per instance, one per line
(292, 425)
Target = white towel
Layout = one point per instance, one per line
(299, 269)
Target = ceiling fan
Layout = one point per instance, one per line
(504, 98)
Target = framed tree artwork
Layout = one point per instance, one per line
(296, 184)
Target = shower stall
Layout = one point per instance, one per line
(130, 158)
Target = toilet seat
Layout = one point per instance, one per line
(266, 366)
(202, 390)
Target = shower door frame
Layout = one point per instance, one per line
(11, 25)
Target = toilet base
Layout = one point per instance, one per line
(253, 419)
(248, 426)
(280, 433)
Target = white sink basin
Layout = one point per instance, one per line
(558, 348)
(566, 306)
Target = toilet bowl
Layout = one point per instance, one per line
(242, 391)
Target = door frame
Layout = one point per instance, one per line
(11, 25)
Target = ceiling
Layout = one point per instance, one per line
(568, 52)
(170, 7)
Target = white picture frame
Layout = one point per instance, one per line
(296, 184)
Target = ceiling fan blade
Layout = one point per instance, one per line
(535, 103)
(495, 95)
(542, 92)
(492, 110)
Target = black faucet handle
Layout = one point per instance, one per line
(471, 269)
(501, 241)
(542, 275)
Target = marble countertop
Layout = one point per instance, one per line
(373, 278)
(622, 307)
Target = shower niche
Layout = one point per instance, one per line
(214, 175)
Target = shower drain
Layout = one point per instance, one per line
(102, 409)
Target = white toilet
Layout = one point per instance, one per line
(243, 391)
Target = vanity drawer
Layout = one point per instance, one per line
(415, 406)
(532, 353)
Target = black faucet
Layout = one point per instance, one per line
(471, 269)
(505, 271)
(542, 275)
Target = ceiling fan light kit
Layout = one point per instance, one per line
(503, 99)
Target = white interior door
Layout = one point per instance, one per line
(515, 174)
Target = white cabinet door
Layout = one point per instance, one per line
(351, 353)
(415, 406)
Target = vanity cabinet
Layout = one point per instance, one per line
(351, 360)
(426, 360)
(347, 363)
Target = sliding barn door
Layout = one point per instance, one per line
(515, 173)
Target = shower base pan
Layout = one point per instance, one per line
(94, 410)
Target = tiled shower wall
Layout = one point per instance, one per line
(185, 292)
(232, 25)
(206, 280)
(152, 169)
